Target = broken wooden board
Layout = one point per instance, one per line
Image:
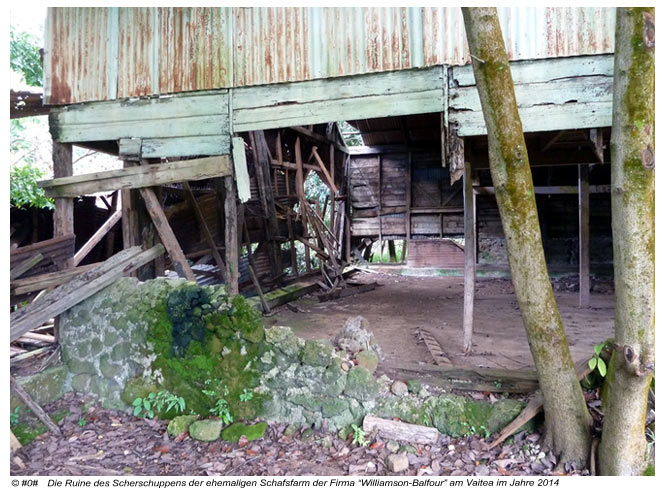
(400, 431)
(138, 176)
(438, 354)
(25, 266)
(48, 280)
(468, 379)
(54, 251)
(80, 288)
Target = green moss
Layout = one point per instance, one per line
(197, 348)
(234, 432)
(29, 430)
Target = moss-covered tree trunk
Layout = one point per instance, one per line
(623, 446)
(566, 415)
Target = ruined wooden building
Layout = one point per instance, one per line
(220, 115)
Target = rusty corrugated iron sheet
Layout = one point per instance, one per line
(107, 53)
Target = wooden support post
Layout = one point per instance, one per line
(203, 227)
(380, 220)
(408, 200)
(585, 283)
(347, 210)
(231, 235)
(63, 216)
(469, 255)
(165, 232)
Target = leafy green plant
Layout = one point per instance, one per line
(359, 436)
(156, 402)
(246, 395)
(23, 188)
(82, 422)
(14, 416)
(221, 409)
(596, 362)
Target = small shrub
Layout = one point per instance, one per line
(157, 402)
(359, 436)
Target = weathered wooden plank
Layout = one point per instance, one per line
(155, 128)
(138, 176)
(395, 82)
(25, 266)
(240, 167)
(570, 90)
(48, 280)
(186, 146)
(541, 118)
(534, 71)
(372, 106)
(85, 285)
(143, 109)
(169, 240)
(97, 236)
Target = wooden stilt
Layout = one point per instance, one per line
(469, 256)
(585, 283)
(379, 215)
(63, 216)
(231, 235)
(166, 234)
(391, 251)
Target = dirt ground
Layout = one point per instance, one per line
(401, 305)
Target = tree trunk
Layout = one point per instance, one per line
(623, 447)
(566, 415)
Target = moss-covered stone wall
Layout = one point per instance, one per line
(194, 342)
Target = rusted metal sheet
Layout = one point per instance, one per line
(102, 53)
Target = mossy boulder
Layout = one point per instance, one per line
(360, 384)
(235, 431)
(180, 424)
(368, 359)
(285, 341)
(207, 430)
(317, 353)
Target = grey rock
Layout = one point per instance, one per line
(399, 388)
(206, 430)
(397, 463)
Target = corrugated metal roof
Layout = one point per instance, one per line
(107, 53)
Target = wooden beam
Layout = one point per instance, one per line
(324, 170)
(231, 235)
(55, 302)
(138, 176)
(200, 219)
(25, 266)
(317, 137)
(166, 234)
(544, 189)
(400, 431)
(63, 216)
(45, 281)
(469, 256)
(585, 283)
(97, 236)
